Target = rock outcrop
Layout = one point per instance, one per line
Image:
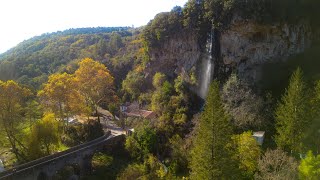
(244, 45)
(247, 44)
(177, 54)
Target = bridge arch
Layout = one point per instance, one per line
(42, 176)
(69, 171)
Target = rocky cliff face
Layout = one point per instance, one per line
(175, 55)
(247, 44)
(244, 46)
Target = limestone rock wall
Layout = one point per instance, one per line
(175, 55)
(247, 44)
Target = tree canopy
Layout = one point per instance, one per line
(293, 115)
(210, 157)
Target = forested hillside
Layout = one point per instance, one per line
(258, 117)
(33, 60)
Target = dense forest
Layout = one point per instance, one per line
(33, 60)
(49, 78)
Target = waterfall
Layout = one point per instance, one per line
(206, 69)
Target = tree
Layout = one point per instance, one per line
(309, 167)
(44, 137)
(115, 42)
(193, 13)
(60, 95)
(160, 101)
(142, 142)
(132, 84)
(216, 10)
(158, 80)
(210, 157)
(169, 102)
(33, 112)
(80, 133)
(311, 139)
(293, 115)
(94, 82)
(150, 169)
(179, 155)
(101, 47)
(247, 152)
(133, 171)
(245, 107)
(92, 130)
(12, 96)
(276, 164)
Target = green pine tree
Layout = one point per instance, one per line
(210, 156)
(312, 141)
(293, 115)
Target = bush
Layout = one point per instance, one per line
(77, 134)
(276, 164)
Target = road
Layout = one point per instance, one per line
(110, 125)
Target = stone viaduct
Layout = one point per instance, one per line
(47, 167)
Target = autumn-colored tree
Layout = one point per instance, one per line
(12, 96)
(44, 137)
(247, 152)
(95, 83)
(60, 95)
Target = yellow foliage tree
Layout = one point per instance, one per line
(94, 82)
(247, 152)
(12, 96)
(44, 137)
(60, 95)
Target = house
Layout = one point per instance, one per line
(134, 110)
(124, 107)
(141, 113)
(129, 132)
(259, 136)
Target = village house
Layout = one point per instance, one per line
(259, 136)
(134, 110)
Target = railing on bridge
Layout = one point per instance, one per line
(53, 157)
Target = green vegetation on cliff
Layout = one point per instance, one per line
(200, 16)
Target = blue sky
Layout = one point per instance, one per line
(23, 19)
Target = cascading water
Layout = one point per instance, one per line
(206, 69)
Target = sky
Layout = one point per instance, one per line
(23, 19)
